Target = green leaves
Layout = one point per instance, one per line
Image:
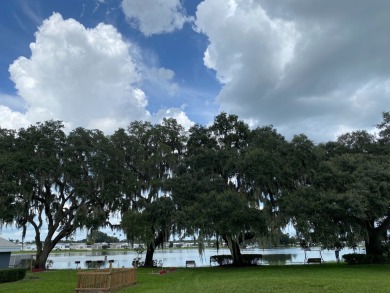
(56, 181)
(349, 198)
(156, 217)
(221, 179)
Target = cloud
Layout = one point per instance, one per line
(79, 75)
(83, 76)
(155, 16)
(160, 79)
(11, 119)
(299, 64)
(175, 113)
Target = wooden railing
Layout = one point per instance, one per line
(105, 280)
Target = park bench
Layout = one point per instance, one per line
(190, 263)
(314, 260)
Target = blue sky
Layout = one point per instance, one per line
(314, 67)
(177, 52)
(305, 66)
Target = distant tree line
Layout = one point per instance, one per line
(224, 181)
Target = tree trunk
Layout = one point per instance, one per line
(151, 248)
(373, 241)
(236, 254)
(149, 255)
(41, 256)
(235, 250)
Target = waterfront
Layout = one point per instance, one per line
(178, 257)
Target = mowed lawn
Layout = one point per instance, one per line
(297, 278)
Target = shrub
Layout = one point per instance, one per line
(248, 259)
(356, 258)
(12, 275)
(27, 263)
(49, 264)
(221, 259)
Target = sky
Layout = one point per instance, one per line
(316, 67)
(304, 66)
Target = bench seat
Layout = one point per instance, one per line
(190, 263)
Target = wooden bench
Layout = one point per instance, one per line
(314, 260)
(190, 263)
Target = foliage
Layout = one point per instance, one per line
(155, 216)
(222, 181)
(356, 258)
(212, 197)
(349, 197)
(12, 275)
(152, 155)
(348, 201)
(100, 237)
(49, 264)
(8, 164)
(266, 172)
(248, 259)
(384, 129)
(137, 262)
(27, 263)
(62, 181)
(285, 239)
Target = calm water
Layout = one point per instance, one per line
(178, 257)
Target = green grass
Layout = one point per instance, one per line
(298, 278)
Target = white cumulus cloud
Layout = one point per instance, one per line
(83, 76)
(175, 113)
(79, 75)
(155, 16)
(304, 66)
(11, 119)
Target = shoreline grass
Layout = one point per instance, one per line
(292, 278)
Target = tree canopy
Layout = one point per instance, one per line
(153, 156)
(224, 181)
(56, 181)
(349, 196)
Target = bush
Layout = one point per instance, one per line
(27, 263)
(12, 275)
(356, 258)
(221, 259)
(248, 259)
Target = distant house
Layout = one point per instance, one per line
(30, 247)
(81, 246)
(62, 246)
(6, 247)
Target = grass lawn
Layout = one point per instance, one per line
(297, 278)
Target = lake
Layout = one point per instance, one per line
(178, 257)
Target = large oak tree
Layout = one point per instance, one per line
(210, 195)
(55, 183)
(153, 155)
(349, 196)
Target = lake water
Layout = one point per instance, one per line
(178, 257)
